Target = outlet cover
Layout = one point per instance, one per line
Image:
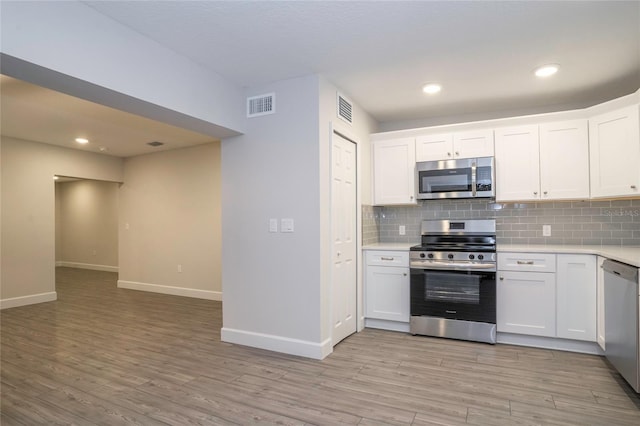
(273, 225)
(402, 230)
(546, 230)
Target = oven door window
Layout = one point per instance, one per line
(461, 295)
(445, 287)
(440, 181)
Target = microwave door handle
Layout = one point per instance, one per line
(473, 179)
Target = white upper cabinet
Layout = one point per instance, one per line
(564, 160)
(615, 153)
(448, 146)
(434, 147)
(477, 143)
(394, 176)
(517, 163)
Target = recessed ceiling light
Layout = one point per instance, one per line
(431, 88)
(103, 149)
(546, 70)
(82, 140)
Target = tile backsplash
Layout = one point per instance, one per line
(572, 222)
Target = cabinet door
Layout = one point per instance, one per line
(526, 303)
(473, 144)
(600, 336)
(615, 153)
(394, 179)
(576, 297)
(387, 293)
(517, 164)
(564, 160)
(434, 147)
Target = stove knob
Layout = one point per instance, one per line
(422, 255)
(450, 256)
(480, 257)
(472, 257)
(430, 256)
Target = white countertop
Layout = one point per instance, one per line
(390, 246)
(629, 255)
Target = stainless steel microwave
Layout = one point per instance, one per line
(463, 178)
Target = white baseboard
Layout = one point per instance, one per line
(175, 291)
(79, 265)
(277, 343)
(14, 302)
(549, 343)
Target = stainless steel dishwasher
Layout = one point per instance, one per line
(621, 298)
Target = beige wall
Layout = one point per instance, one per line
(87, 224)
(169, 216)
(28, 210)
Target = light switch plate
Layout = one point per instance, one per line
(286, 225)
(273, 225)
(546, 230)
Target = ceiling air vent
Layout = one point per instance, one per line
(345, 109)
(261, 105)
(155, 143)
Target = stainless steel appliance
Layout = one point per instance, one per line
(463, 178)
(621, 298)
(453, 280)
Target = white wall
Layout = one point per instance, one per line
(271, 281)
(277, 285)
(71, 48)
(87, 224)
(28, 210)
(363, 125)
(170, 215)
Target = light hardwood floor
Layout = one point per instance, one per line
(103, 355)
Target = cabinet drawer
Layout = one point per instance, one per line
(387, 258)
(529, 262)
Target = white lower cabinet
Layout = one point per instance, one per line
(576, 297)
(600, 336)
(547, 295)
(387, 283)
(526, 303)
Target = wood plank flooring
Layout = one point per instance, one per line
(109, 356)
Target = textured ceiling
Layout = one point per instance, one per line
(37, 114)
(381, 53)
(378, 53)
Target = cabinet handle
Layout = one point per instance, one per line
(501, 278)
(457, 153)
(535, 192)
(525, 262)
(411, 197)
(448, 154)
(545, 192)
(633, 187)
(386, 258)
(404, 274)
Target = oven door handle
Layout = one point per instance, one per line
(454, 266)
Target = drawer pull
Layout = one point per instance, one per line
(387, 258)
(525, 262)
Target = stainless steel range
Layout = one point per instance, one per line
(453, 280)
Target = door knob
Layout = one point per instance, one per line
(338, 253)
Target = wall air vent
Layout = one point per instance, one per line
(345, 109)
(261, 105)
(155, 143)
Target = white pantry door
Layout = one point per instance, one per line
(343, 232)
